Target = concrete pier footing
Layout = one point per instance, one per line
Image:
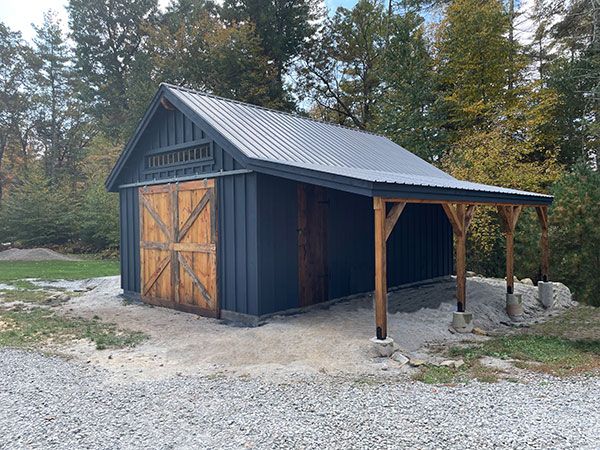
(514, 305)
(546, 293)
(383, 347)
(462, 322)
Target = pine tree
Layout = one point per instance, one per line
(283, 26)
(407, 113)
(341, 68)
(61, 126)
(15, 108)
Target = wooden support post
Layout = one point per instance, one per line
(510, 262)
(461, 272)
(542, 213)
(380, 269)
(460, 216)
(510, 216)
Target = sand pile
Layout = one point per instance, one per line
(33, 254)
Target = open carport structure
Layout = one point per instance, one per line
(236, 211)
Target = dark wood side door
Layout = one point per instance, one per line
(313, 271)
(178, 246)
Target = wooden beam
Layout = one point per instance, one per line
(461, 272)
(392, 218)
(510, 216)
(542, 213)
(457, 202)
(380, 269)
(455, 221)
(460, 216)
(510, 263)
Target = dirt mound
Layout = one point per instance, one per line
(33, 254)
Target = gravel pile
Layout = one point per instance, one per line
(33, 254)
(51, 403)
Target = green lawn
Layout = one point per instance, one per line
(53, 270)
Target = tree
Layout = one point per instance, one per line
(191, 45)
(407, 114)
(575, 74)
(575, 235)
(283, 27)
(15, 126)
(341, 68)
(108, 36)
(61, 126)
(38, 211)
(473, 62)
(500, 125)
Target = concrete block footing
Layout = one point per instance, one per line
(546, 293)
(383, 347)
(514, 305)
(462, 322)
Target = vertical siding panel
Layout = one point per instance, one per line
(252, 300)
(124, 241)
(241, 242)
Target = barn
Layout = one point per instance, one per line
(236, 211)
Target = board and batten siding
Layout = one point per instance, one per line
(236, 210)
(419, 248)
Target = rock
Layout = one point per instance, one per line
(452, 363)
(527, 281)
(470, 273)
(479, 331)
(400, 358)
(414, 362)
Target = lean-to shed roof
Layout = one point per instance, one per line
(293, 146)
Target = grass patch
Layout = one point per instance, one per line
(568, 344)
(439, 375)
(551, 354)
(26, 328)
(24, 295)
(11, 271)
(450, 376)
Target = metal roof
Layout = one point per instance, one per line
(266, 138)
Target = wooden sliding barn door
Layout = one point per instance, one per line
(178, 246)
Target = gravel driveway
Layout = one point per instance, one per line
(48, 402)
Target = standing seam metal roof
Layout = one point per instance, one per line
(265, 135)
(269, 135)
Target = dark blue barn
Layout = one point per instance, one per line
(237, 211)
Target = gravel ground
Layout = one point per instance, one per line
(51, 403)
(34, 254)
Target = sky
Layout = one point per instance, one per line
(18, 15)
